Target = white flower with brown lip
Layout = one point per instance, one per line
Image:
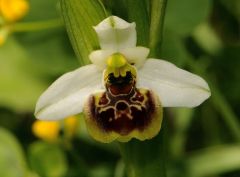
(122, 92)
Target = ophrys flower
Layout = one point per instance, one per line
(122, 93)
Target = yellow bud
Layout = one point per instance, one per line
(116, 60)
(2, 40)
(13, 10)
(3, 35)
(46, 130)
(70, 126)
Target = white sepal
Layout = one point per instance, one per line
(115, 33)
(66, 96)
(175, 87)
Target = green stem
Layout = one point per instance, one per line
(158, 8)
(145, 158)
(120, 169)
(35, 26)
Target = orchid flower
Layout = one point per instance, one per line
(122, 93)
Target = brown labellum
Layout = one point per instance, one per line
(123, 111)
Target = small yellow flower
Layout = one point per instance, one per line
(13, 10)
(46, 130)
(51, 130)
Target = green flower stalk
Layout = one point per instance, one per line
(122, 92)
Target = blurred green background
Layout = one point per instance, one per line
(202, 36)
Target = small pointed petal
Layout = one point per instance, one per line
(175, 87)
(66, 96)
(99, 58)
(115, 33)
(136, 55)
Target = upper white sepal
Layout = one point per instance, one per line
(115, 33)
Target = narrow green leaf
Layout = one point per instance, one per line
(137, 12)
(214, 161)
(156, 26)
(12, 161)
(79, 17)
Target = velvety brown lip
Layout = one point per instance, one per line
(123, 114)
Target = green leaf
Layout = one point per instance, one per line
(213, 161)
(48, 160)
(157, 9)
(79, 17)
(183, 16)
(12, 161)
(137, 12)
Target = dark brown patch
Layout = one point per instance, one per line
(124, 113)
(120, 85)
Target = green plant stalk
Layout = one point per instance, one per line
(36, 26)
(145, 158)
(156, 26)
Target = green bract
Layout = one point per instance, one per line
(122, 92)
